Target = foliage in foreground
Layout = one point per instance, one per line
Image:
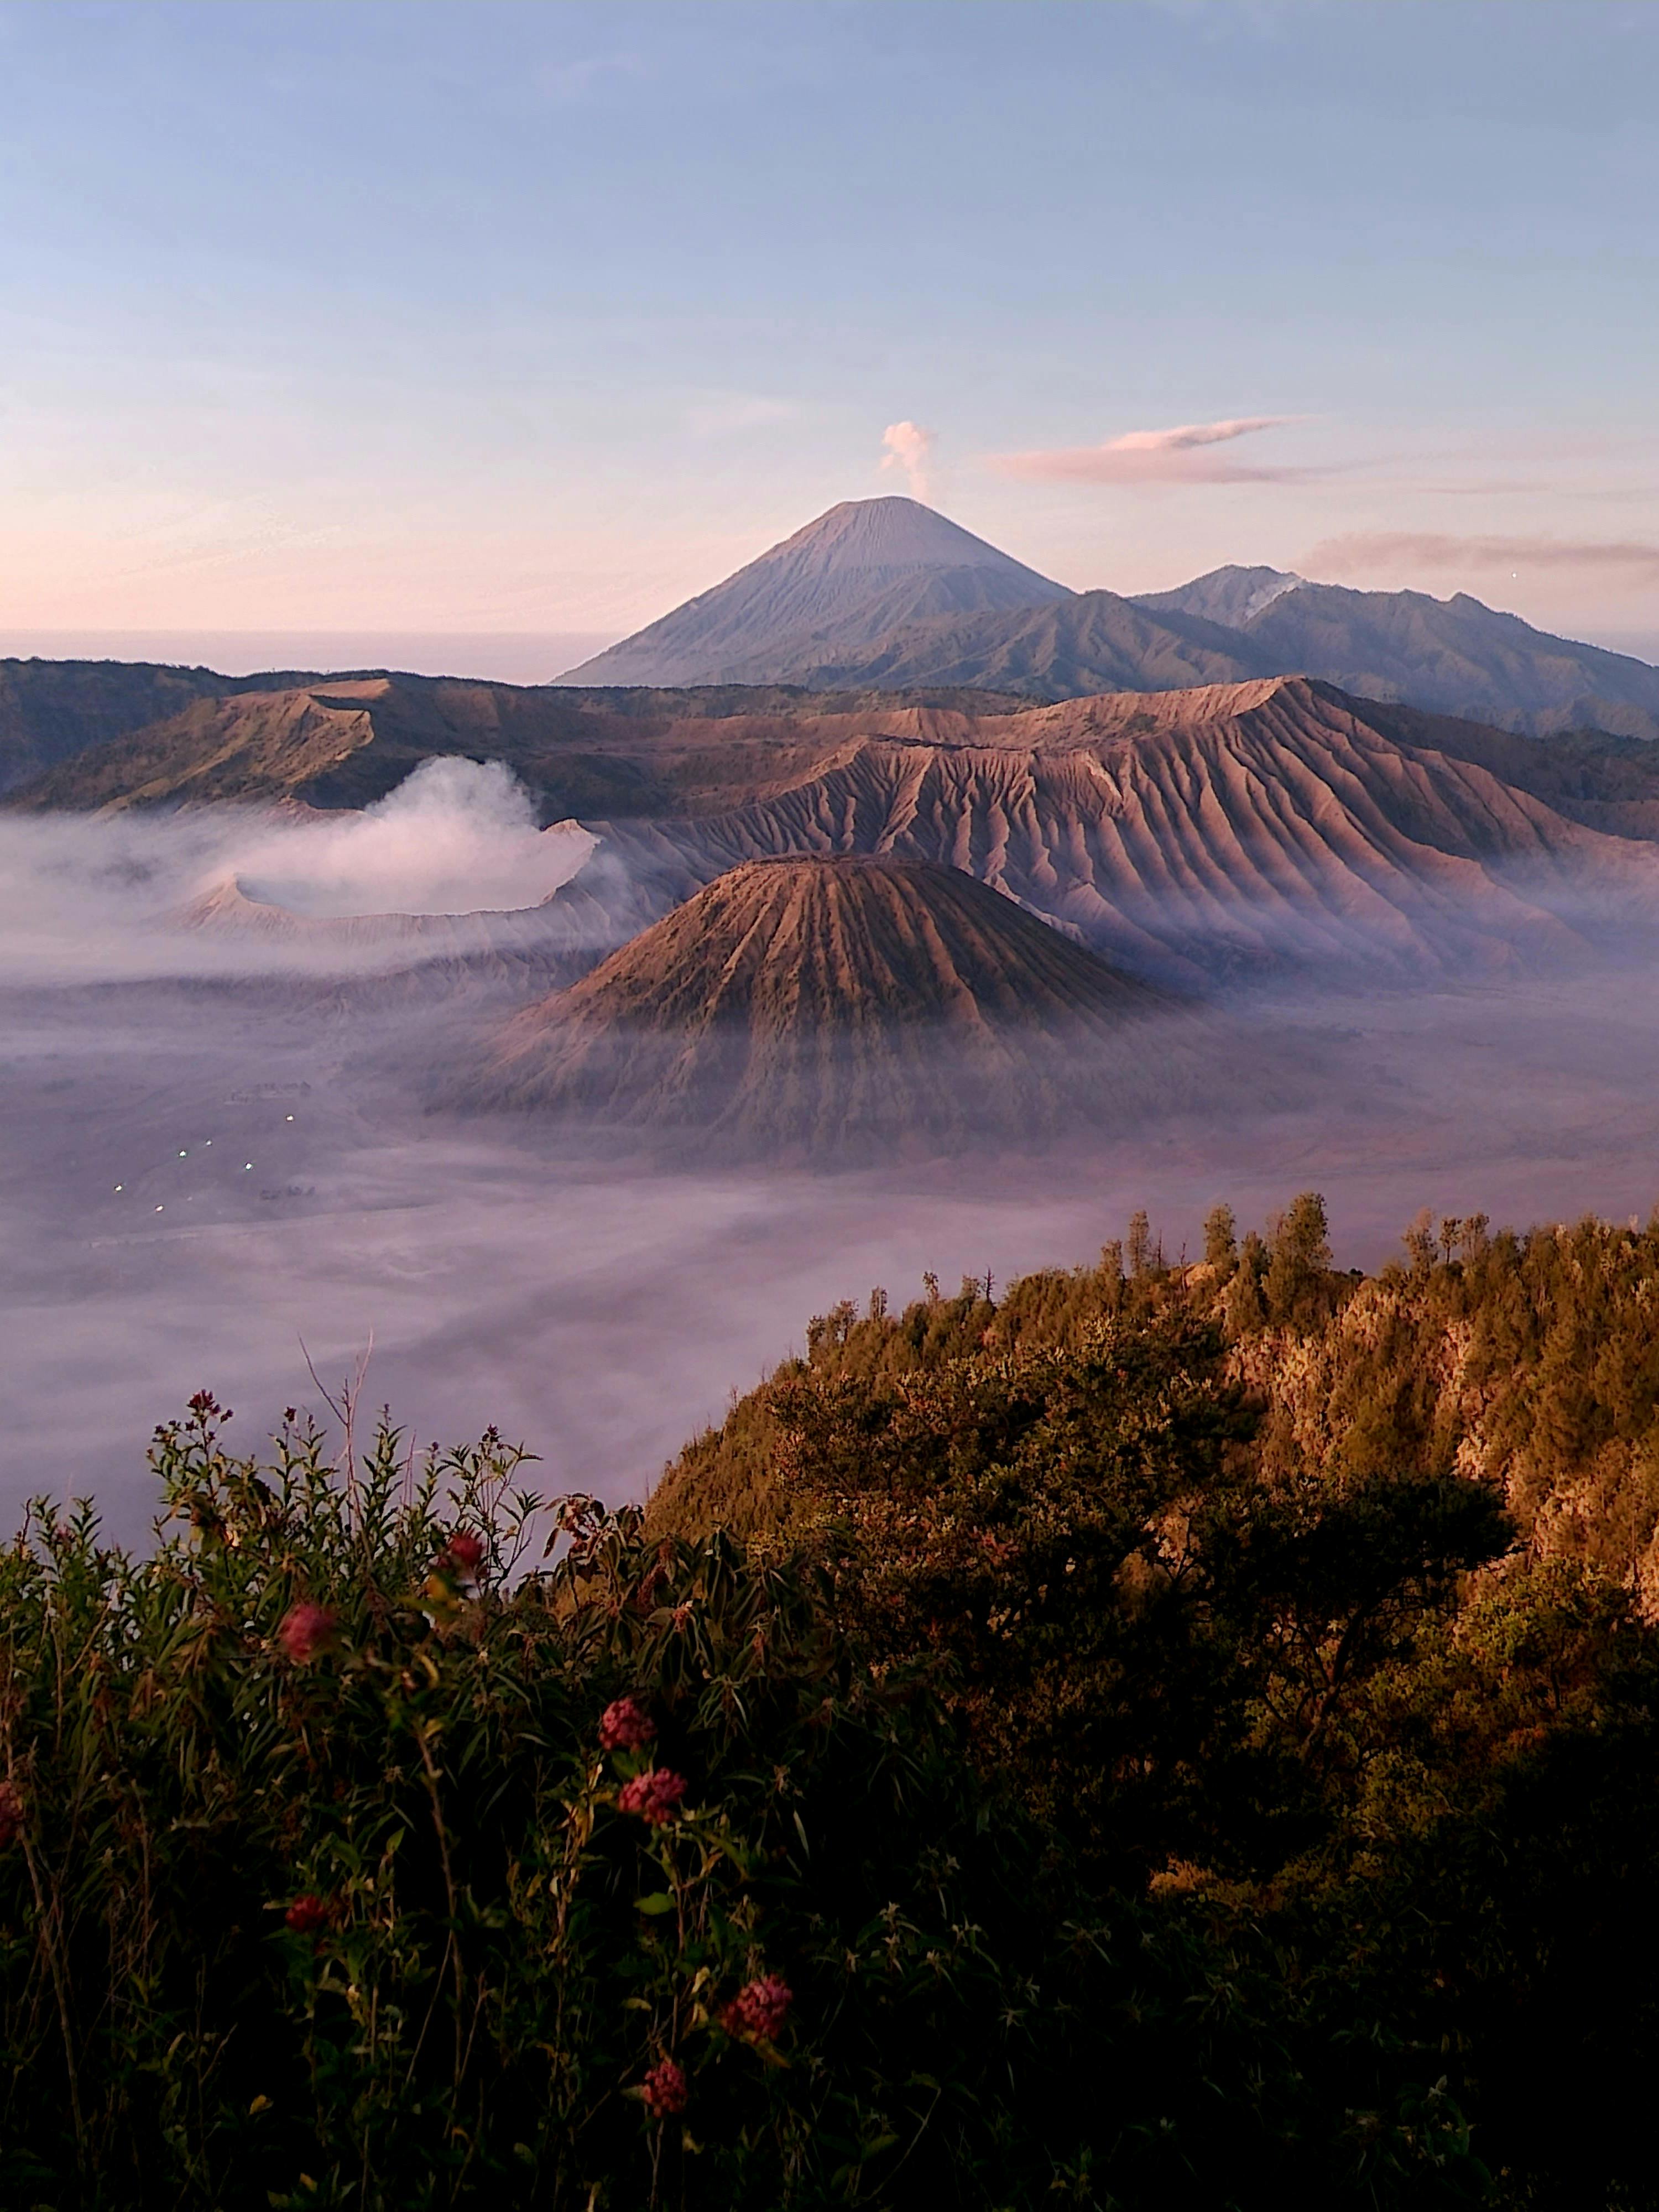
(1170, 1736)
(1323, 1606)
(342, 1865)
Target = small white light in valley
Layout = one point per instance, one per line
(120, 1186)
(184, 1156)
(160, 1209)
(246, 1165)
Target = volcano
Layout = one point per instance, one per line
(1231, 833)
(885, 594)
(830, 593)
(819, 1006)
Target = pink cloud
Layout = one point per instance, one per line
(1366, 552)
(1172, 456)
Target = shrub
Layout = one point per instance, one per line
(345, 1862)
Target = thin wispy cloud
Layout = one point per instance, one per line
(908, 446)
(730, 414)
(1180, 454)
(1397, 551)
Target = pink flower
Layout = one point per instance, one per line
(664, 2089)
(306, 1631)
(625, 1726)
(654, 1796)
(307, 1915)
(11, 1815)
(464, 1554)
(759, 2010)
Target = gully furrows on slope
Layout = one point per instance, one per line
(1236, 826)
(255, 745)
(828, 1002)
(840, 586)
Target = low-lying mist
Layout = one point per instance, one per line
(99, 898)
(208, 1180)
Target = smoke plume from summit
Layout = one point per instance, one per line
(908, 448)
(98, 898)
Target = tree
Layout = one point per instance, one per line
(1140, 1243)
(1220, 1237)
(1300, 1262)
(1419, 1241)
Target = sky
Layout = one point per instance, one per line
(490, 321)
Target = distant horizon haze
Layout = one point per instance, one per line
(487, 656)
(517, 656)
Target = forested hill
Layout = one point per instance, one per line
(1529, 1361)
(1312, 1604)
(1176, 1735)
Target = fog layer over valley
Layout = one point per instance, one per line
(197, 1176)
(400, 1055)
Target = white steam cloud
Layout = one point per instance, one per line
(458, 836)
(908, 446)
(86, 897)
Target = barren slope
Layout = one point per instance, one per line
(834, 590)
(52, 710)
(346, 742)
(1200, 832)
(1090, 642)
(816, 1005)
(1240, 829)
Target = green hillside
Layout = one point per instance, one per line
(1160, 1735)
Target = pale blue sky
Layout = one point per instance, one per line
(469, 315)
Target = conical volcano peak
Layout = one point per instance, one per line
(813, 1002)
(894, 533)
(848, 579)
(816, 941)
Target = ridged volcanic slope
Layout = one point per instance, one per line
(856, 941)
(1189, 833)
(809, 1003)
(1241, 828)
(1448, 656)
(350, 741)
(862, 570)
(885, 592)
